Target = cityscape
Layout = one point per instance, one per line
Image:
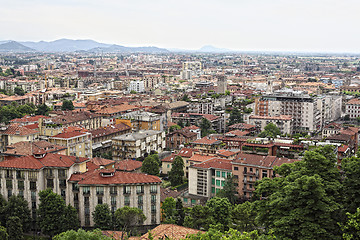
(104, 140)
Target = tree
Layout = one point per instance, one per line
(82, 234)
(220, 209)
(17, 206)
(351, 183)
(14, 228)
(174, 128)
(198, 217)
(185, 98)
(176, 173)
(180, 212)
(67, 105)
(52, 214)
(102, 216)
(3, 233)
(235, 117)
(231, 234)
(205, 126)
(351, 229)
(305, 202)
(133, 92)
(42, 109)
(187, 124)
(26, 109)
(168, 210)
(2, 211)
(229, 190)
(180, 123)
(270, 130)
(243, 217)
(150, 166)
(19, 91)
(129, 217)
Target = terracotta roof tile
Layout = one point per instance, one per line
(16, 129)
(217, 163)
(128, 165)
(171, 231)
(200, 158)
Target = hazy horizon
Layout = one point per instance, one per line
(326, 26)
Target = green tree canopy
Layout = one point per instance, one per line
(129, 216)
(180, 212)
(351, 183)
(351, 229)
(17, 206)
(305, 202)
(243, 217)
(150, 166)
(3, 233)
(168, 210)
(67, 105)
(42, 109)
(19, 91)
(235, 117)
(14, 228)
(102, 216)
(174, 128)
(229, 190)
(205, 127)
(82, 235)
(54, 216)
(176, 173)
(271, 130)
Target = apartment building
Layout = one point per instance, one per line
(28, 175)
(66, 175)
(141, 120)
(352, 108)
(15, 133)
(176, 139)
(206, 179)
(135, 145)
(207, 145)
(137, 86)
(283, 122)
(249, 168)
(77, 143)
(102, 137)
(117, 189)
(302, 108)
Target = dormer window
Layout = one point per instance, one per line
(107, 174)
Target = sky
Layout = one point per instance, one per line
(247, 25)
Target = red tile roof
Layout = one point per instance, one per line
(187, 152)
(28, 148)
(110, 130)
(128, 165)
(68, 134)
(101, 161)
(217, 163)
(165, 231)
(169, 158)
(95, 178)
(262, 161)
(49, 160)
(16, 129)
(200, 158)
(28, 119)
(207, 140)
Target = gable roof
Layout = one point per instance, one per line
(165, 231)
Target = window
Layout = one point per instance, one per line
(217, 190)
(127, 201)
(153, 189)
(9, 193)
(223, 174)
(20, 174)
(251, 169)
(153, 198)
(86, 200)
(127, 189)
(113, 190)
(33, 196)
(8, 183)
(21, 193)
(264, 173)
(100, 200)
(62, 173)
(217, 182)
(33, 175)
(113, 200)
(140, 200)
(140, 189)
(213, 190)
(236, 168)
(21, 185)
(193, 201)
(50, 183)
(9, 174)
(213, 181)
(245, 169)
(75, 187)
(218, 173)
(222, 183)
(185, 200)
(153, 208)
(49, 173)
(62, 183)
(99, 190)
(86, 190)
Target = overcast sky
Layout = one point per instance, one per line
(271, 25)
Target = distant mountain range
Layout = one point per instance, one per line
(69, 45)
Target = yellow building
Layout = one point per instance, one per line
(78, 143)
(141, 120)
(16, 133)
